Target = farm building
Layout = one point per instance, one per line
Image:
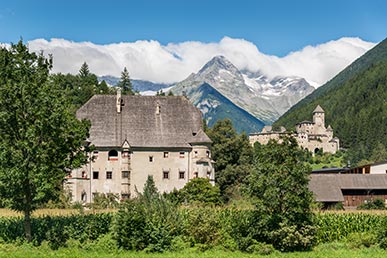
(349, 189)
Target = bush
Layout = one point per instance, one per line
(58, 229)
(148, 223)
(376, 204)
(293, 238)
(201, 226)
(261, 249)
(361, 239)
(104, 201)
(382, 234)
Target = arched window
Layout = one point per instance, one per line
(113, 155)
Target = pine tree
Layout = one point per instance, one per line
(84, 71)
(125, 84)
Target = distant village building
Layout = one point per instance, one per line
(137, 136)
(313, 136)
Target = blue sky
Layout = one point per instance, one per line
(275, 27)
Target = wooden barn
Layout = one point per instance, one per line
(349, 189)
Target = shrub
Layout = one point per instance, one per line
(293, 238)
(261, 249)
(58, 229)
(149, 222)
(104, 201)
(376, 204)
(382, 234)
(361, 239)
(201, 226)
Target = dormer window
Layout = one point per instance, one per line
(113, 155)
(158, 109)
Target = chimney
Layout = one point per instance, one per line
(118, 103)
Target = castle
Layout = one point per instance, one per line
(313, 136)
(137, 136)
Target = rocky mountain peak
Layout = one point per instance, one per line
(216, 64)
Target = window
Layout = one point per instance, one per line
(125, 174)
(125, 154)
(113, 155)
(165, 174)
(182, 154)
(166, 154)
(150, 158)
(109, 174)
(124, 196)
(84, 196)
(95, 155)
(95, 174)
(181, 174)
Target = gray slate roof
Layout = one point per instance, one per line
(327, 188)
(177, 125)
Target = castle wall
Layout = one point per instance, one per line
(309, 135)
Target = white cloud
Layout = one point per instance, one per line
(149, 60)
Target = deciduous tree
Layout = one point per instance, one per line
(40, 136)
(232, 154)
(279, 188)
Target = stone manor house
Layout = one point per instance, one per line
(137, 136)
(313, 136)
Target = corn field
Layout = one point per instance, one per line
(337, 226)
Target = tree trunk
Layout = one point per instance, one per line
(27, 225)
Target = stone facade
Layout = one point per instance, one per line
(137, 136)
(313, 136)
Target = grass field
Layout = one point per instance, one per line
(330, 250)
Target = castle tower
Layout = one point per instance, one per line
(319, 117)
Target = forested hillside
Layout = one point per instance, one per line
(304, 108)
(355, 102)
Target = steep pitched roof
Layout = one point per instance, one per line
(327, 187)
(318, 109)
(144, 121)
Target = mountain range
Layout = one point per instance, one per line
(220, 90)
(263, 98)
